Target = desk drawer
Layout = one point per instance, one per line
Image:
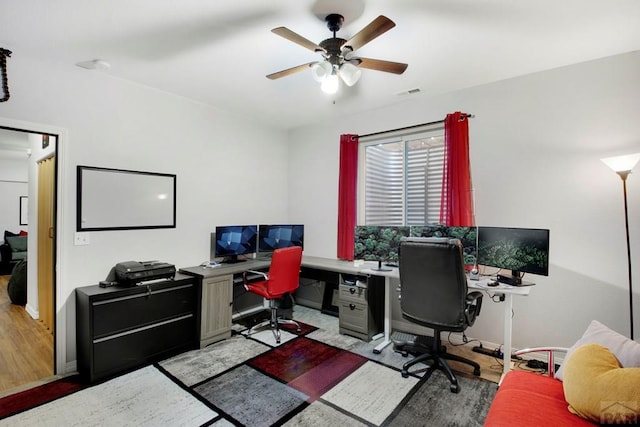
(142, 308)
(354, 294)
(354, 316)
(136, 347)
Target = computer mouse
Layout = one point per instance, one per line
(492, 284)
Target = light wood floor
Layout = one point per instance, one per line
(26, 345)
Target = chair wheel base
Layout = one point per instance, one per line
(454, 388)
(404, 374)
(476, 372)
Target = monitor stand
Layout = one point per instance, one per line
(232, 259)
(381, 268)
(515, 279)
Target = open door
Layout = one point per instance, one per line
(46, 189)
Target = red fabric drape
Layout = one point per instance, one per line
(457, 192)
(347, 193)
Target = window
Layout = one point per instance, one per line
(400, 179)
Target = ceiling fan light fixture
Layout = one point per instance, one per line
(321, 70)
(330, 84)
(350, 74)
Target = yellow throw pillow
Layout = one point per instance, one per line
(598, 389)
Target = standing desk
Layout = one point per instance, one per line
(506, 290)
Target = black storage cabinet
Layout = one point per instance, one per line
(119, 328)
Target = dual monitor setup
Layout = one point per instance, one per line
(230, 241)
(521, 250)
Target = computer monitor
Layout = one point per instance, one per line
(379, 243)
(466, 235)
(234, 240)
(521, 250)
(275, 236)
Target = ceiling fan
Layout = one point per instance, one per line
(338, 53)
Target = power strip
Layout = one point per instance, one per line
(493, 353)
(486, 351)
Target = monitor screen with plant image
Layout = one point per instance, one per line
(379, 243)
(521, 250)
(466, 235)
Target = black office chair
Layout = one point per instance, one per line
(434, 294)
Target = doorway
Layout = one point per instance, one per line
(31, 355)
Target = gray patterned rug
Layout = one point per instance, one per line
(316, 378)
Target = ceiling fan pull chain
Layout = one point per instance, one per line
(4, 53)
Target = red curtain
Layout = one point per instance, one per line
(457, 192)
(347, 195)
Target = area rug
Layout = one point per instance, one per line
(144, 397)
(35, 396)
(253, 381)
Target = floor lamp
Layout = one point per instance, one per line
(622, 165)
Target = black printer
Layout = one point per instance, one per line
(130, 273)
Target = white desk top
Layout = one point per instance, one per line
(483, 284)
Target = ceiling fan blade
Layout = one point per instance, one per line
(297, 38)
(380, 65)
(289, 71)
(378, 26)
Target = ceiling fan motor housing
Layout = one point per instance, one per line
(332, 47)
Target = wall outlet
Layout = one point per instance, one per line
(81, 239)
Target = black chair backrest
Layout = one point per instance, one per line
(433, 282)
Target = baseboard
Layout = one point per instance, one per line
(71, 368)
(32, 311)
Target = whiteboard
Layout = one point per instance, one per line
(117, 199)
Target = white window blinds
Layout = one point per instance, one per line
(401, 180)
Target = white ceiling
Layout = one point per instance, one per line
(218, 52)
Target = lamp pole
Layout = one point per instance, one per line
(622, 165)
(624, 175)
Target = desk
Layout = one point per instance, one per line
(217, 290)
(339, 266)
(508, 292)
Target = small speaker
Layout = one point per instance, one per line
(474, 274)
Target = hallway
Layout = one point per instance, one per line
(26, 346)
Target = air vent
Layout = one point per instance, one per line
(413, 91)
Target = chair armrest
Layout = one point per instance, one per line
(244, 276)
(473, 306)
(261, 273)
(550, 351)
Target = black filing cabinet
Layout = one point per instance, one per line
(121, 328)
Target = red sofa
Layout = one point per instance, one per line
(531, 399)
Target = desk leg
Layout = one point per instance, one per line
(387, 317)
(508, 324)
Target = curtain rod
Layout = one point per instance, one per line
(468, 115)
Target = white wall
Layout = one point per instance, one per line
(13, 184)
(228, 171)
(535, 143)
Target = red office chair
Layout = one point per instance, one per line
(281, 280)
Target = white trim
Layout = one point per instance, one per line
(33, 312)
(60, 346)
